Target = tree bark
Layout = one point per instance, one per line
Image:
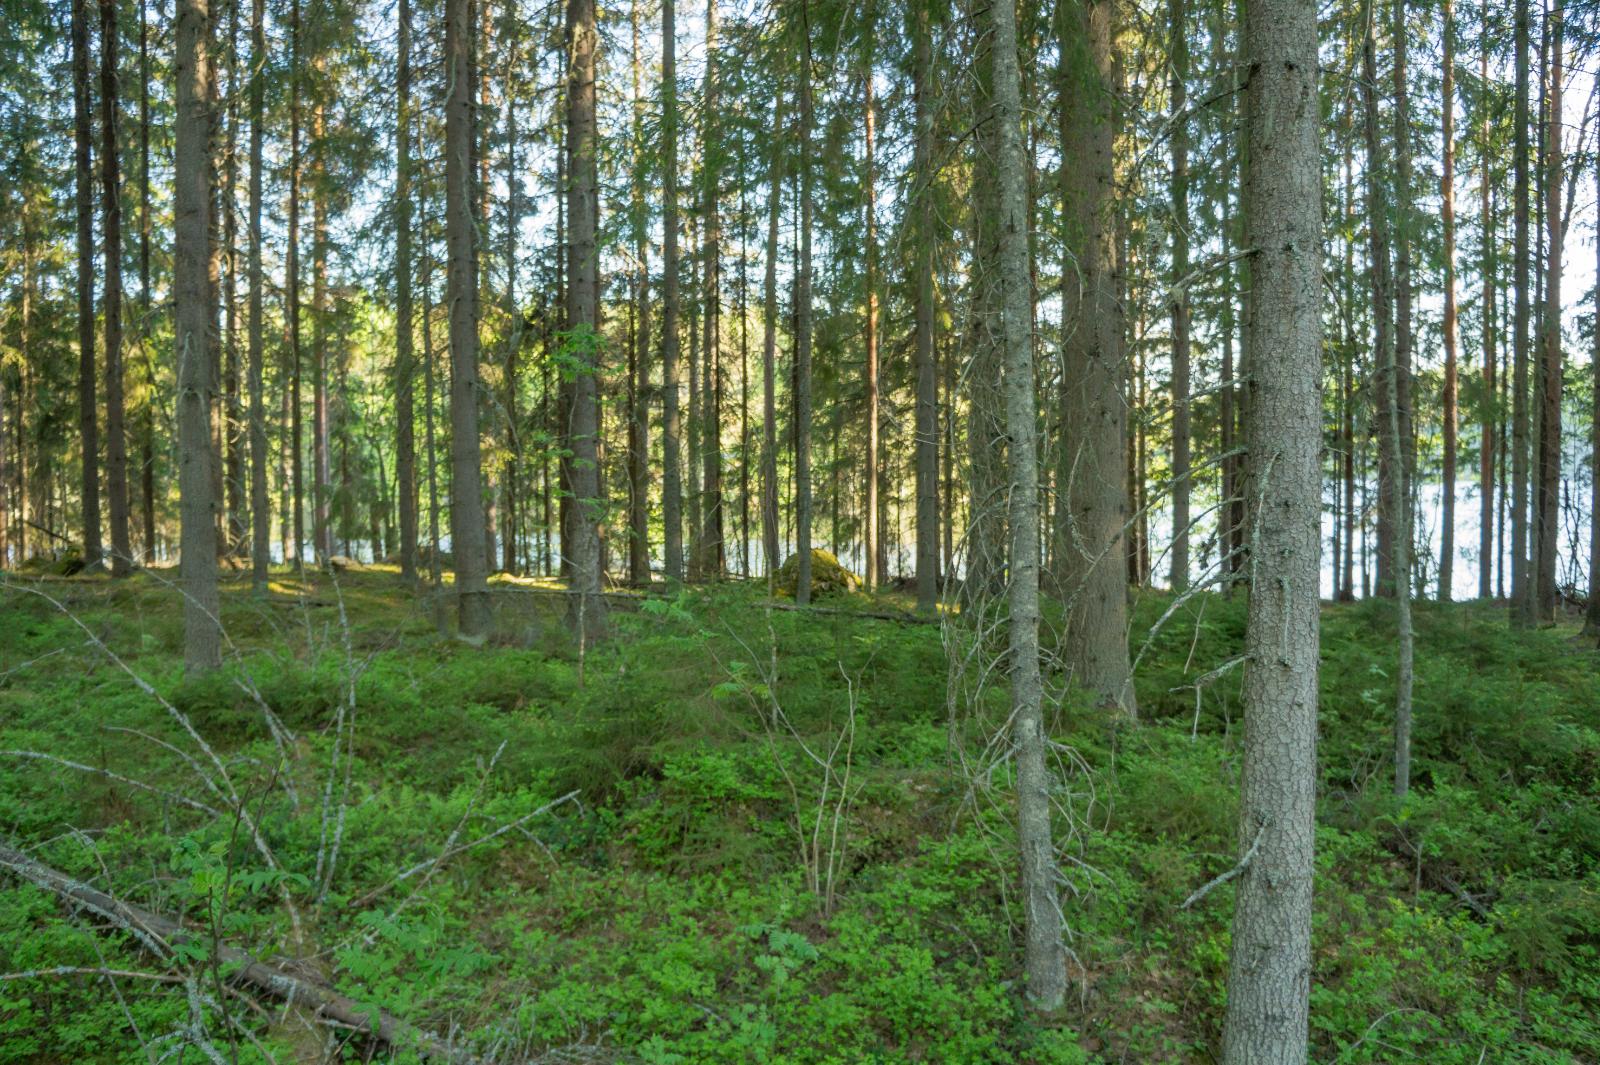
(671, 425)
(802, 343)
(1091, 535)
(466, 483)
(772, 551)
(88, 413)
(405, 369)
(260, 514)
(1547, 526)
(1269, 973)
(927, 410)
(194, 320)
(713, 561)
(1521, 583)
(111, 207)
(639, 354)
(1178, 101)
(1447, 211)
(587, 611)
(1591, 617)
(874, 567)
(1489, 442)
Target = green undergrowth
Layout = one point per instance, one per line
(699, 892)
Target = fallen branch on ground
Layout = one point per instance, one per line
(159, 933)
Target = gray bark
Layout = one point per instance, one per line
(405, 369)
(671, 426)
(1547, 526)
(927, 411)
(111, 207)
(1178, 101)
(1091, 534)
(194, 320)
(1270, 966)
(802, 340)
(1521, 578)
(467, 536)
(88, 415)
(1045, 955)
(260, 512)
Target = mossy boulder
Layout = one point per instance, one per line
(828, 576)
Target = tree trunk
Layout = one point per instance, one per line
(1547, 526)
(587, 610)
(927, 411)
(873, 567)
(1091, 538)
(671, 426)
(639, 354)
(321, 468)
(292, 296)
(1447, 210)
(1045, 956)
(772, 551)
(712, 549)
(1591, 617)
(232, 419)
(1521, 584)
(1489, 548)
(192, 293)
(88, 415)
(260, 515)
(111, 206)
(802, 340)
(405, 369)
(466, 485)
(1179, 97)
(1269, 974)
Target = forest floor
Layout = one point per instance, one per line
(775, 842)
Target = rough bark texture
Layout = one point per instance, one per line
(769, 358)
(1488, 441)
(671, 427)
(639, 355)
(260, 512)
(1447, 211)
(712, 550)
(111, 209)
(405, 369)
(466, 484)
(1401, 464)
(587, 611)
(1269, 972)
(194, 320)
(1521, 583)
(1045, 956)
(927, 411)
(88, 415)
(1547, 519)
(802, 339)
(1091, 530)
(1179, 97)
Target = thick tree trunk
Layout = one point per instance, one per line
(981, 379)
(927, 409)
(194, 320)
(260, 514)
(1045, 956)
(466, 483)
(1547, 524)
(1450, 399)
(88, 372)
(587, 611)
(111, 207)
(671, 422)
(1269, 973)
(1091, 535)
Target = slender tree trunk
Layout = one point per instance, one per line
(874, 567)
(1179, 58)
(111, 207)
(927, 410)
(405, 369)
(260, 515)
(1269, 973)
(1091, 552)
(466, 484)
(712, 549)
(1489, 548)
(986, 484)
(1398, 466)
(587, 610)
(232, 418)
(192, 291)
(88, 414)
(802, 340)
(1591, 618)
(639, 353)
(1547, 526)
(292, 296)
(1045, 957)
(1447, 210)
(147, 459)
(769, 356)
(321, 468)
(671, 426)
(1521, 583)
